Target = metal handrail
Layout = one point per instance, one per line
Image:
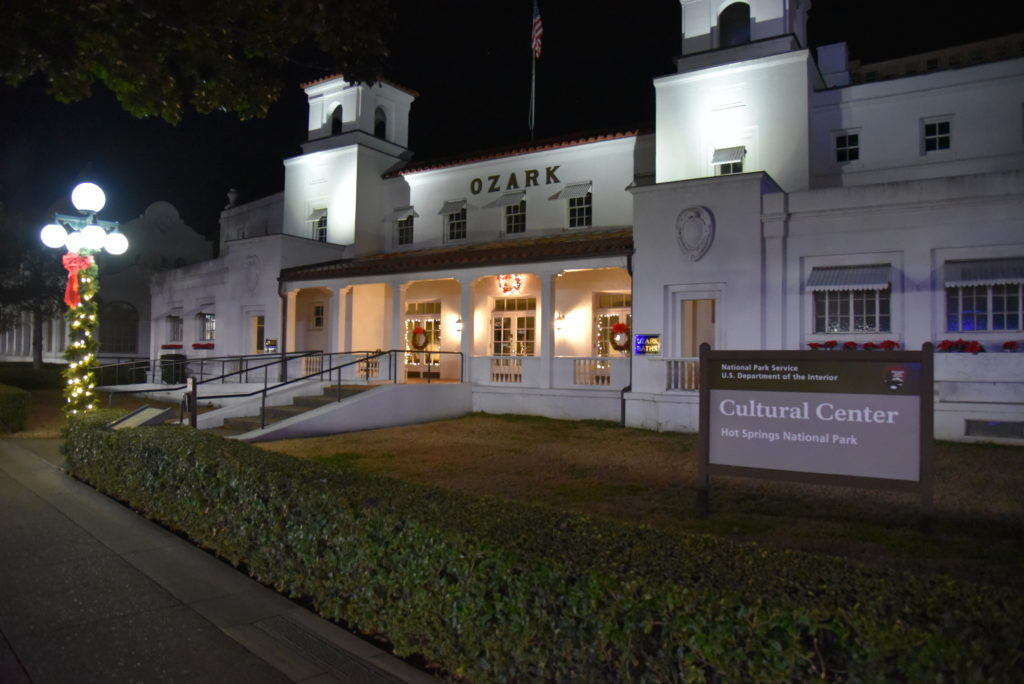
(247, 369)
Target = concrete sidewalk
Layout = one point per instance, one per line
(92, 592)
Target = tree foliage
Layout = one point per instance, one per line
(157, 56)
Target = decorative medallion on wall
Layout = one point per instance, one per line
(252, 271)
(695, 230)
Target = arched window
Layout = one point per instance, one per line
(734, 25)
(336, 120)
(119, 328)
(380, 123)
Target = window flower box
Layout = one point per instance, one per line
(202, 345)
(961, 346)
(170, 346)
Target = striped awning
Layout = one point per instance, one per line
(728, 155)
(871, 277)
(984, 272)
(404, 213)
(452, 207)
(508, 199)
(573, 191)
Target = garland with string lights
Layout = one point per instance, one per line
(83, 335)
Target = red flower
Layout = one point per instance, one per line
(973, 347)
(1010, 345)
(814, 345)
(202, 345)
(870, 345)
(890, 345)
(849, 345)
(170, 346)
(830, 344)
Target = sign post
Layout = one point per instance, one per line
(848, 418)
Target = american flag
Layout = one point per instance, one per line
(538, 29)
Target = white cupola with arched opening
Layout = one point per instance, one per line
(338, 107)
(739, 101)
(715, 24)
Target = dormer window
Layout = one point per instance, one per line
(318, 224)
(380, 124)
(728, 160)
(403, 223)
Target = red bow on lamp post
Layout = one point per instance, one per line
(74, 262)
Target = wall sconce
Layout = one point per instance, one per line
(559, 321)
(458, 325)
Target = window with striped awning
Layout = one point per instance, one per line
(851, 299)
(984, 294)
(838, 278)
(984, 272)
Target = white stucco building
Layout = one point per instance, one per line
(786, 198)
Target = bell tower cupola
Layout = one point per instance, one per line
(342, 113)
(716, 24)
(739, 101)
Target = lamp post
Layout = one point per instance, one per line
(82, 236)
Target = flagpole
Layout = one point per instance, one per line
(533, 94)
(536, 31)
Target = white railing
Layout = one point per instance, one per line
(506, 370)
(683, 374)
(369, 369)
(312, 364)
(590, 372)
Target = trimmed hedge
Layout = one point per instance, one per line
(13, 408)
(26, 377)
(496, 591)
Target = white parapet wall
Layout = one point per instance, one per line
(983, 390)
(551, 403)
(380, 407)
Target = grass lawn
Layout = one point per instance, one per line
(648, 478)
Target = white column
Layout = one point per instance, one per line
(333, 321)
(546, 327)
(468, 315)
(398, 327)
(345, 319)
(289, 322)
(774, 309)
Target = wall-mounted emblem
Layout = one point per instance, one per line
(695, 230)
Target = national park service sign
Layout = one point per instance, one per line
(695, 230)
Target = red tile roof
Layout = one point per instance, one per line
(581, 244)
(512, 151)
(332, 77)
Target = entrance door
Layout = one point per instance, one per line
(256, 327)
(698, 321)
(421, 364)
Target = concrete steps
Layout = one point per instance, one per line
(241, 424)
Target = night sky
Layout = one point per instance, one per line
(470, 62)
